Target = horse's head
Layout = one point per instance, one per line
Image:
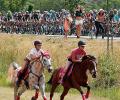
(46, 61)
(92, 64)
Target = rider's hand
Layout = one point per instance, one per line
(38, 57)
(79, 60)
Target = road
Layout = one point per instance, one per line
(83, 37)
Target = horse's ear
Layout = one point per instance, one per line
(89, 56)
(92, 57)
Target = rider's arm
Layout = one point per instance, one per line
(34, 57)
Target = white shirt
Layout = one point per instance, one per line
(34, 52)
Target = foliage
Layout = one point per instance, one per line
(111, 93)
(15, 48)
(12, 5)
(18, 5)
(9, 15)
(30, 8)
(109, 70)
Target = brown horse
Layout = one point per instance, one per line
(77, 78)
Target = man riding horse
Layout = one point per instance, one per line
(75, 56)
(31, 74)
(33, 55)
(76, 75)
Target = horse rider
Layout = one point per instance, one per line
(75, 56)
(34, 54)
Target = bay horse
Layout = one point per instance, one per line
(34, 78)
(77, 78)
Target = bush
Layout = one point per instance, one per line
(108, 71)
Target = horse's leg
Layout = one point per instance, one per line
(36, 95)
(52, 90)
(77, 86)
(20, 90)
(83, 96)
(42, 87)
(15, 93)
(64, 93)
(88, 90)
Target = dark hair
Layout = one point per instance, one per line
(101, 13)
(37, 42)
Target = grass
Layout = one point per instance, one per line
(111, 93)
(15, 47)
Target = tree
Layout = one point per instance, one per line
(30, 8)
(12, 5)
(18, 5)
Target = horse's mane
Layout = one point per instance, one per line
(91, 57)
(85, 59)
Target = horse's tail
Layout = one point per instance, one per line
(56, 75)
(15, 65)
(12, 71)
(50, 80)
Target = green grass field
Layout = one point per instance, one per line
(15, 48)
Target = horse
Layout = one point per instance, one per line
(34, 78)
(76, 79)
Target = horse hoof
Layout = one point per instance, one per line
(86, 96)
(33, 98)
(17, 98)
(45, 98)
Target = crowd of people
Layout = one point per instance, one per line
(48, 22)
(81, 22)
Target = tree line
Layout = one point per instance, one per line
(42, 5)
